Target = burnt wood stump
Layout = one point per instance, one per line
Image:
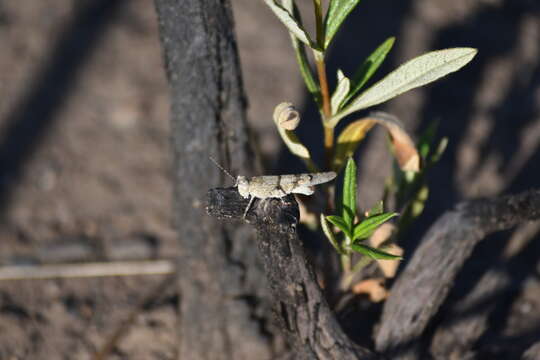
(299, 304)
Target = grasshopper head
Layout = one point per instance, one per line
(243, 186)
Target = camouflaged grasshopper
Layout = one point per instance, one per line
(277, 186)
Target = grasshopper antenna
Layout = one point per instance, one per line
(221, 168)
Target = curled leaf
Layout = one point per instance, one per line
(404, 148)
(293, 143)
(348, 141)
(414, 73)
(286, 116)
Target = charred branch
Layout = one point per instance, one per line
(299, 304)
(424, 284)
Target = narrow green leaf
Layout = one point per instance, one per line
(292, 25)
(414, 73)
(418, 204)
(301, 57)
(330, 235)
(364, 229)
(342, 89)
(373, 253)
(439, 151)
(349, 194)
(340, 223)
(337, 12)
(305, 71)
(369, 67)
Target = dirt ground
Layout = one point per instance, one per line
(84, 153)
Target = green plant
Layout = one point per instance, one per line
(407, 186)
(348, 96)
(354, 234)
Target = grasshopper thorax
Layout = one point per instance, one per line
(243, 186)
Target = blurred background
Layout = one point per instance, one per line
(84, 151)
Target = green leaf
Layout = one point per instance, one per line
(330, 235)
(290, 22)
(337, 12)
(376, 209)
(369, 67)
(414, 73)
(301, 57)
(342, 89)
(364, 229)
(340, 223)
(348, 210)
(305, 71)
(373, 253)
(439, 151)
(418, 204)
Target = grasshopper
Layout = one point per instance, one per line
(277, 186)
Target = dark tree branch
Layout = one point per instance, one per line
(299, 302)
(424, 284)
(223, 307)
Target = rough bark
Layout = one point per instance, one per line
(424, 284)
(300, 306)
(222, 302)
(468, 319)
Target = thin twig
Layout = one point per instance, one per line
(101, 269)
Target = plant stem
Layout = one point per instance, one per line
(347, 278)
(327, 112)
(346, 264)
(319, 22)
(328, 146)
(323, 82)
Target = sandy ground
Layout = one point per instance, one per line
(85, 159)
